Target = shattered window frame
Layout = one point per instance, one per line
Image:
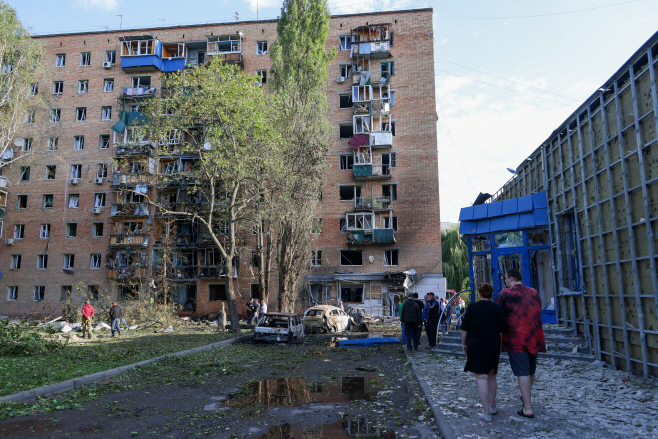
(351, 257)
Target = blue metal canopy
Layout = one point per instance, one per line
(517, 213)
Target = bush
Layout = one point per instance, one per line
(21, 339)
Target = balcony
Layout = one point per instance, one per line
(372, 236)
(227, 47)
(127, 273)
(129, 209)
(132, 180)
(137, 92)
(371, 172)
(372, 40)
(140, 54)
(129, 239)
(381, 139)
(173, 57)
(372, 203)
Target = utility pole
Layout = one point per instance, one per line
(121, 23)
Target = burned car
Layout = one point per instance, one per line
(279, 327)
(326, 318)
(359, 314)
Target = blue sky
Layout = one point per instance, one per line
(507, 72)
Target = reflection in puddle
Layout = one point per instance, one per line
(344, 429)
(297, 391)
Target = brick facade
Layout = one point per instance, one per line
(417, 240)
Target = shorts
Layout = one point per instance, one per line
(523, 363)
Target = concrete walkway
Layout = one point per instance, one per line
(63, 386)
(570, 399)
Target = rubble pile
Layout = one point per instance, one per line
(570, 399)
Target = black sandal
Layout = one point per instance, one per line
(520, 413)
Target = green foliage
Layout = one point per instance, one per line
(23, 340)
(454, 255)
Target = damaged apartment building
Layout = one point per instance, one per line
(82, 212)
(580, 217)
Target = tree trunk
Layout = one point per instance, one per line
(230, 298)
(268, 264)
(262, 292)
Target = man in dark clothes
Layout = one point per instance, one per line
(115, 318)
(434, 309)
(250, 313)
(522, 306)
(421, 305)
(411, 316)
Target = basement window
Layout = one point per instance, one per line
(351, 257)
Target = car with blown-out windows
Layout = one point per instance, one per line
(279, 327)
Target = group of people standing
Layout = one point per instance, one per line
(516, 315)
(88, 313)
(415, 313)
(255, 310)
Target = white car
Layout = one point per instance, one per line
(278, 327)
(326, 318)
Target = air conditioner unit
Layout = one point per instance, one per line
(99, 180)
(107, 64)
(9, 241)
(74, 180)
(96, 210)
(340, 79)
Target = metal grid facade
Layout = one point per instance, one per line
(600, 172)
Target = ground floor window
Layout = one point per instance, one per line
(217, 292)
(351, 294)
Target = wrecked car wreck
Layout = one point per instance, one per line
(327, 318)
(279, 327)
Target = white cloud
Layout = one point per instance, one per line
(262, 4)
(106, 5)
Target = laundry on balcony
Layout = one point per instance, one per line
(358, 140)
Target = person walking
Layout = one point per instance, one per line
(87, 314)
(421, 305)
(115, 318)
(403, 336)
(525, 339)
(482, 325)
(411, 316)
(434, 309)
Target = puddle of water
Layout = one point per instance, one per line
(29, 426)
(343, 429)
(297, 391)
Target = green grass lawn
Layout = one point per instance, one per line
(83, 357)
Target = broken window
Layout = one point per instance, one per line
(104, 141)
(71, 230)
(42, 262)
(60, 60)
(83, 86)
(19, 231)
(12, 293)
(111, 56)
(360, 221)
(362, 124)
(262, 74)
(29, 116)
(216, 292)
(128, 291)
(345, 131)
(140, 82)
(345, 42)
(101, 171)
(44, 231)
(51, 144)
(108, 84)
(351, 257)
(55, 115)
(362, 93)
(85, 59)
(345, 101)
(388, 162)
(390, 257)
(97, 230)
(316, 258)
(34, 89)
(106, 113)
(346, 162)
(39, 292)
(27, 144)
(24, 173)
(92, 291)
(69, 261)
(349, 192)
(390, 190)
(345, 70)
(138, 47)
(99, 199)
(15, 262)
(80, 114)
(58, 87)
(351, 294)
(21, 202)
(225, 44)
(261, 47)
(388, 224)
(343, 225)
(76, 171)
(47, 201)
(78, 143)
(95, 261)
(74, 201)
(387, 69)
